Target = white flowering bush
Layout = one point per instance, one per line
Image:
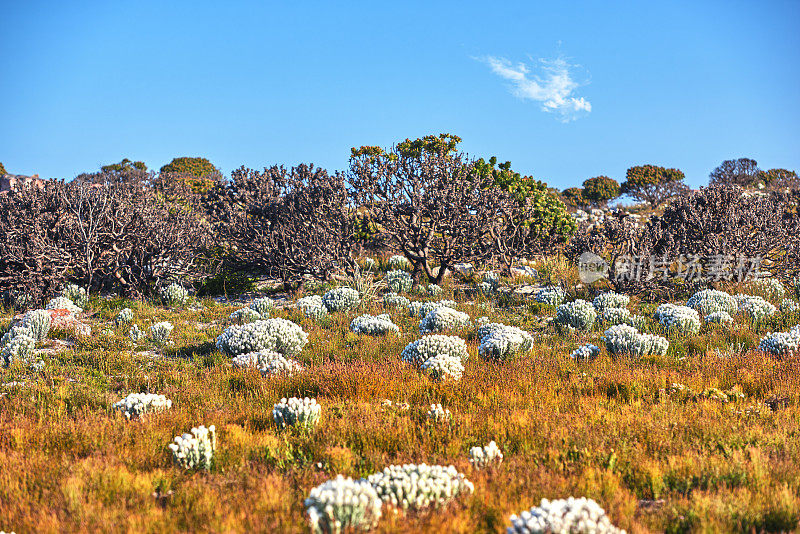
(399, 262)
(138, 404)
(296, 412)
(718, 317)
(195, 450)
(639, 322)
(312, 306)
(678, 319)
(770, 288)
(443, 319)
(393, 300)
(39, 322)
(263, 306)
(125, 316)
(268, 362)
(781, 343)
(482, 457)
(399, 281)
(563, 516)
(135, 334)
(343, 505)
(489, 284)
(421, 309)
(585, 353)
(341, 299)
(374, 325)
(432, 345)
(16, 345)
(278, 335)
(577, 314)
(789, 306)
(499, 342)
(625, 340)
(244, 316)
(615, 315)
(443, 367)
(416, 487)
(439, 414)
(63, 303)
(709, 301)
(174, 295)
(553, 295)
(76, 294)
(434, 290)
(755, 307)
(160, 332)
(610, 300)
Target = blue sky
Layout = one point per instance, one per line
(681, 84)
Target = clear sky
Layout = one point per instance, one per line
(565, 90)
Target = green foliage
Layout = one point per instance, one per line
(574, 197)
(125, 165)
(196, 172)
(773, 176)
(2, 169)
(652, 184)
(225, 283)
(600, 189)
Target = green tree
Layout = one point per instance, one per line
(777, 177)
(600, 189)
(653, 184)
(125, 166)
(573, 196)
(198, 173)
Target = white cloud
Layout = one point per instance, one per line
(554, 87)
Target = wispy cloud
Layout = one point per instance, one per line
(552, 84)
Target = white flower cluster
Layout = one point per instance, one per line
(709, 301)
(756, 307)
(499, 342)
(341, 299)
(419, 486)
(394, 300)
(138, 404)
(770, 287)
(443, 319)
(263, 306)
(576, 314)
(553, 295)
(443, 367)
(312, 306)
(430, 346)
(260, 308)
(343, 505)
(399, 281)
(279, 335)
(563, 516)
(160, 332)
(481, 457)
(244, 316)
(76, 294)
(719, 317)
(124, 317)
(610, 300)
(174, 295)
(790, 306)
(615, 315)
(678, 319)
(296, 412)
(421, 309)
(16, 345)
(438, 414)
(195, 450)
(268, 362)
(63, 303)
(135, 334)
(399, 262)
(585, 353)
(374, 325)
(39, 322)
(625, 340)
(781, 343)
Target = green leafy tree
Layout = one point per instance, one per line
(125, 166)
(778, 177)
(600, 189)
(198, 173)
(2, 169)
(573, 196)
(653, 184)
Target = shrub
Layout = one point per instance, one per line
(296, 412)
(16, 345)
(198, 174)
(615, 315)
(263, 306)
(443, 367)
(2, 169)
(443, 319)
(719, 317)
(578, 314)
(585, 353)
(125, 316)
(135, 334)
(680, 319)
(416, 487)
(420, 350)
(754, 307)
(711, 300)
(343, 505)
(244, 316)
(653, 184)
(396, 301)
(399, 261)
(399, 281)
(554, 295)
(422, 309)
(482, 457)
(781, 343)
(278, 335)
(312, 306)
(769, 288)
(341, 299)
(610, 300)
(600, 189)
(268, 362)
(160, 332)
(138, 404)
(63, 303)
(499, 342)
(624, 340)
(195, 450)
(578, 516)
(790, 306)
(38, 321)
(373, 325)
(574, 196)
(174, 295)
(76, 294)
